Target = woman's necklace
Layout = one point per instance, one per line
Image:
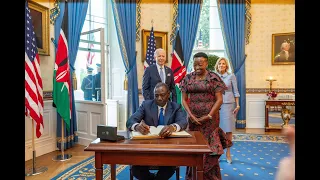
(202, 77)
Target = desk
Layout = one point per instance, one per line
(153, 152)
(283, 103)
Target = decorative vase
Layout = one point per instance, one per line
(285, 115)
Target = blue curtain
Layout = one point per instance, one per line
(188, 20)
(57, 24)
(232, 16)
(125, 21)
(77, 11)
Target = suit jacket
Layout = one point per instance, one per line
(231, 82)
(148, 111)
(87, 87)
(151, 77)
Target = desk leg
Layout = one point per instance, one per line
(266, 118)
(113, 171)
(199, 168)
(194, 173)
(98, 166)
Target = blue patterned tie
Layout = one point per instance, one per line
(161, 117)
(161, 74)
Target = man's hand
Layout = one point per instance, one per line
(143, 128)
(166, 131)
(286, 169)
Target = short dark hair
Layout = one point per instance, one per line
(159, 84)
(200, 54)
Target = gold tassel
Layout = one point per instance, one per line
(74, 81)
(125, 83)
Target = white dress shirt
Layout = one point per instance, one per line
(164, 72)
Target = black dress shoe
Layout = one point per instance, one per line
(152, 176)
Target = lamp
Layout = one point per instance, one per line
(270, 81)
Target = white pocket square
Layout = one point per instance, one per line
(169, 74)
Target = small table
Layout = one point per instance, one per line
(283, 103)
(152, 152)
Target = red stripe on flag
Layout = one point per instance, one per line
(33, 88)
(33, 82)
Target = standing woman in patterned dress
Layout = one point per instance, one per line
(230, 105)
(202, 97)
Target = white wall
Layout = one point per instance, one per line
(47, 142)
(255, 109)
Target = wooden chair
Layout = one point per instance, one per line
(157, 168)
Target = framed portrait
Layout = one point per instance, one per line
(161, 42)
(283, 48)
(40, 21)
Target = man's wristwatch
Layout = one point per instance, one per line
(174, 127)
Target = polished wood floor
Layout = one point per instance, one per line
(78, 155)
(56, 167)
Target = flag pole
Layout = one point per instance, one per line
(62, 156)
(33, 170)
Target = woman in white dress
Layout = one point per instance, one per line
(230, 106)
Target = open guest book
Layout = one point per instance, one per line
(154, 133)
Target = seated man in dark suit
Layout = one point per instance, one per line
(159, 111)
(158, 73)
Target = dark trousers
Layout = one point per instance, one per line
(142, 172)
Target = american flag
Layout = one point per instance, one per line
(33, 81)
(150, 50)
(90, 55)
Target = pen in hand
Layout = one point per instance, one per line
(143, 128)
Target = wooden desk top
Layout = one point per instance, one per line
(281, 102)
(191, 145)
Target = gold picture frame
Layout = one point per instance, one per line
(161, 42)
(283, 48)
(40, 21)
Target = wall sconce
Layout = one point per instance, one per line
(270, 81)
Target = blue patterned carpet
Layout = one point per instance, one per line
(254, 157)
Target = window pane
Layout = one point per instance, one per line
(86, 39)
(213, 2)
(86, 83)
(89, 53)
(216, 39)
(86, 25)
(214, 19)
(97, 8)
(217, 53)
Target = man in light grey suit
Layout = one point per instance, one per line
(158, 73)
(159, 111)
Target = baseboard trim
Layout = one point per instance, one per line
(40, 150)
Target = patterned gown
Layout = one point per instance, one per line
(201, 98)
